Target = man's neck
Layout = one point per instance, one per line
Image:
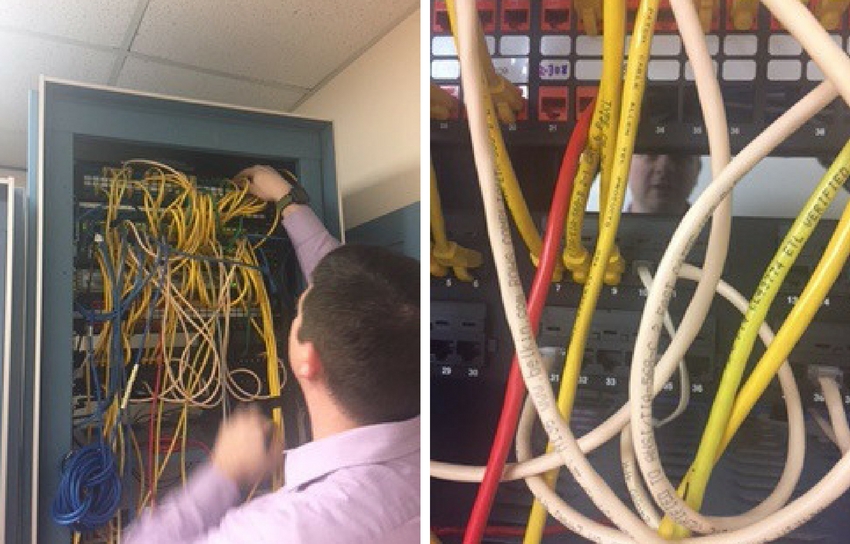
(327, 419)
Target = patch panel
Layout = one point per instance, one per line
(762, 71)
(459, 344)
(516, 16)
(609, 346)
(555, 15)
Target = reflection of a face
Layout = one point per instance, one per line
(662, 183)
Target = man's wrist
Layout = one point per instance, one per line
(284, 190)
(291, 209)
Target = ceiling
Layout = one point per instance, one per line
(263, 53)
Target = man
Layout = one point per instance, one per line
(662, 183)
(354, 349)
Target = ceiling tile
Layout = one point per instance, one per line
(13, 148)
(287, 41)
(154, 77)
(23, 58)
(102, 22)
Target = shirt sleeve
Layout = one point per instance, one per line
(194, 517)
(311, 239)
(188, 514)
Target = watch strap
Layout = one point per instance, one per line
(296, 195)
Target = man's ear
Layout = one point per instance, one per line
(305, 361)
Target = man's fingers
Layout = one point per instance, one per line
(246, 174)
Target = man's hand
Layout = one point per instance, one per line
(265, 183)
(240, 450)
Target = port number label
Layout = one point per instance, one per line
(582, 380)
(610, 381)
(554, 70)
(472, 372)
(446, 370)
(696, 388)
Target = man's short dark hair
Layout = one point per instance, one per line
(362, 315)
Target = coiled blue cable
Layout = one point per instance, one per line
(89, 490)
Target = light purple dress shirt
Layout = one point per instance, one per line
(356, 487)
(309, 237)
(360, 486)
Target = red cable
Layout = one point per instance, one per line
(499, 531)
(515, 389)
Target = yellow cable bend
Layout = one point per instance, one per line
(438, 223)
(692, 487)
(506, 96)
(601, 143)
(801, 315)
(576, 258)
(635, 83)
(610, 90)
(612, 62)
(505, 171)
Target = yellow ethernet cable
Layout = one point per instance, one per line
(601, 142)
(829, 13)
(576, 258)
(506, 97)
(446, 254)
(443, 105)
(590, 12)
(801, 315)
(692, 487)
(706, 10)
(612, 49)
(506, 175)
(744, 12)
(633, 88)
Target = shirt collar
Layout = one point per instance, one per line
(361, 446)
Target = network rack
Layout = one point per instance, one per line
(85, 135)
(544, 49)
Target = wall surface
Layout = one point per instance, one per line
(374, 105)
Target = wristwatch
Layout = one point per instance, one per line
(296, 195)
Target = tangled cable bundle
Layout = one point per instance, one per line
(178, 264)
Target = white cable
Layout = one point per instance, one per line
(640, 388)
(533, 371)
(796, 439)
(634, 484)
(837, 416)
(784, 520)
(714, 114)
(829, 56)
(759, 148)
(684, 379)
(514, 299)
(823, 425)
(644, 352)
